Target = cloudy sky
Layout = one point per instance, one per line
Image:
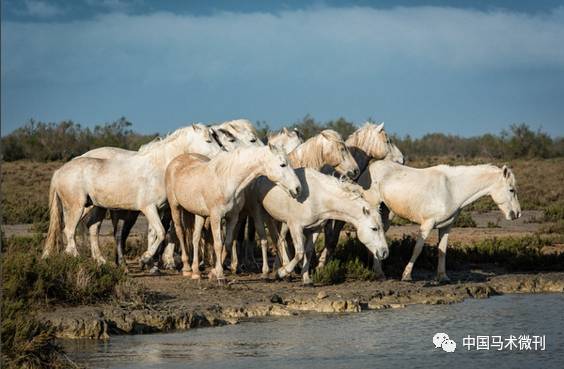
(464, 67)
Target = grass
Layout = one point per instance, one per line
(554, 213)
(464, 220)
(352, 261)
(30, 283)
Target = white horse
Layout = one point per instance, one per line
(242, 129)
(135, 182)
(368, 143)
(214, 188)
(288, 139)
(323, 197)
(324, 149)
(433, 197)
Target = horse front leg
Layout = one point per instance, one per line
(217, 272)
(157, 233)
(196, 236)
(230, 239)
(441, 267)
(298, 240)
(309, 242)
(425, 230)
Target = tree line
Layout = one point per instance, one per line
(40, 141)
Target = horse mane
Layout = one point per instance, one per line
(367, 139)
(158, 142)
(239, 125)
(311, 151)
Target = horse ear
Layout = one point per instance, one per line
(196, 127)
(380, 127)
(505, 171)
(285, 130)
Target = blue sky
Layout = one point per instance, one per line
(462, 67)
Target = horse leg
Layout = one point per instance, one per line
(425, 230)
(298, 238)
(155, 224)
(196, 236)
(94, 221)
(443, 241)
(217, 272)
(309, 242)
(261, 231)
(332, 232)
(282, 244)
(176, 213)
(231, 223)
(240, 240)
(72, 215)
(128, 223)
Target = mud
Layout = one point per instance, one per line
(181, 303)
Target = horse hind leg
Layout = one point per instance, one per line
(425, 230)
(94, 221)
(72, 215)
(441, 267)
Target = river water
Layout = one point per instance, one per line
(374, 339)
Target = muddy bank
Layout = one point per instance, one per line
(186, 304)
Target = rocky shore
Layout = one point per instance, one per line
(185, 304)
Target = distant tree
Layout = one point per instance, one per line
(308, 127)
(341, 125)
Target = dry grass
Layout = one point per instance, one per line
(25, 189)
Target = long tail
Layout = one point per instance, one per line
(55, 221)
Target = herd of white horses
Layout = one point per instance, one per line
(224, 179)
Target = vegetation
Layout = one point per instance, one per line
(29, 282)
(464, 220)
(39, 141)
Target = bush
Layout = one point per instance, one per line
(332, 273)
(29, 282)
(355, 269)
(464, 220)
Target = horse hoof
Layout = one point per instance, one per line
(407, 278)
(154, 271)
(443, 279)
(265, 275)
(381, 278)
(186, 273)
(307, 283)
(196, 276)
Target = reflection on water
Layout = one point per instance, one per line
(383, 339)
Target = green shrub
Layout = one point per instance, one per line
(464, 220)
(332, 273)
(355, 269)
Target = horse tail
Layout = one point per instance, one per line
(55, 221)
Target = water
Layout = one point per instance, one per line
(375, 339)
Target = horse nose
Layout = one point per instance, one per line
(383, 254)
(518, 214)
(352, 174)
(512, 215)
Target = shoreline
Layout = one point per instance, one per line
(200, 304)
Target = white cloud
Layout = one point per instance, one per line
(41, 9)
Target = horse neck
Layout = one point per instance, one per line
(165, 153)
(340, 205)
(471, 183)
(242, 169)
(307, 155)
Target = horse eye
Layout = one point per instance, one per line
(209, 141)
(512, 190)
(375, 229)
(283, 165)
(253, 140)
(231, 140)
